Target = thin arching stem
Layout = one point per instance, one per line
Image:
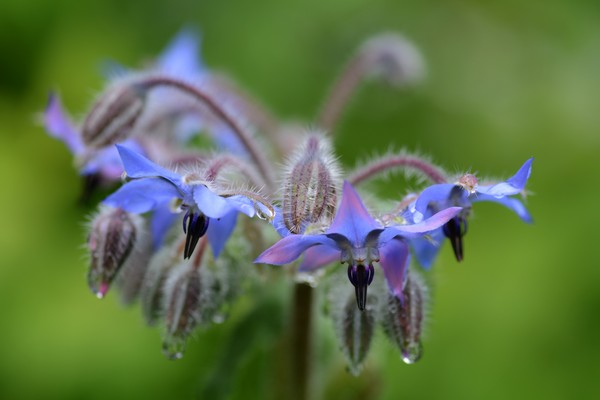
(340, 93)
(256, 155)
(404, 162)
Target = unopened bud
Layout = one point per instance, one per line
(181, 301)
(113, 115)
(152, 290)
(394, 58)
(356, 331)
(310, 183)
(113, 235)
(403, 320)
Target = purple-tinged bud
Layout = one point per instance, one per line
(356, 332)
(310, 183)
(403, 320)
(112, 236)
(182, 292)
(113, 115)
(394, 58)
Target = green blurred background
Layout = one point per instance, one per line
(507, 80)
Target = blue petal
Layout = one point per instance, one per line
(181, 57)
(513, 185)
(211, 204)
(394, 259)
(352, 219)
(510, 202)
(242, 204)
(317, 257)
(142, 195)
(138, 166)
(439, 193)
(291, 247)
(417, 230)
(219, 231)
(425, 251)
(58, 125)
(162, 220)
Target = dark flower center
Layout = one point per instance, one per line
(361, 277)
(195, 225)
(454, 230)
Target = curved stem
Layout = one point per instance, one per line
(217, 164)
(430, 171)
(340, 93)
(255, 154)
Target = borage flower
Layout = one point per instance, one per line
(462, 194)
(154, 188)
(355, 238)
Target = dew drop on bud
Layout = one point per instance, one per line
(113, 115)
(173, 348)
(403, 319)
(310, 183)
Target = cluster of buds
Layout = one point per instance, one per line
(168, 233)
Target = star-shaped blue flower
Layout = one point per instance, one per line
(154, 188)
(355, 238)
(441, 196)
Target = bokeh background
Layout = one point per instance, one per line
(507, 80)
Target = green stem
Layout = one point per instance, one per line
(301, 340)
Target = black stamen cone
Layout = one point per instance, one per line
(197, 224)
(361, 277)
(454, 230)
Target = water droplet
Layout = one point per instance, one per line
(218, 318)
(173, 348)
(412, 353)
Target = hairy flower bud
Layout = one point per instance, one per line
(394, 58)
(151, 292)
(113, 115)
(112, 236)
(310, 183)
(182, 292)
(403, 320)
(131, 276)
(356, 332)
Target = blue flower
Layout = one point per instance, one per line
(154, 188)
(463, 194)
(355, 238)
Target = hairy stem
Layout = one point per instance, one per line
(340, 94)
(256, 155)
(385, 164)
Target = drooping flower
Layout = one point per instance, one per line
(355, 238)
(153, 187)
(462, 194)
